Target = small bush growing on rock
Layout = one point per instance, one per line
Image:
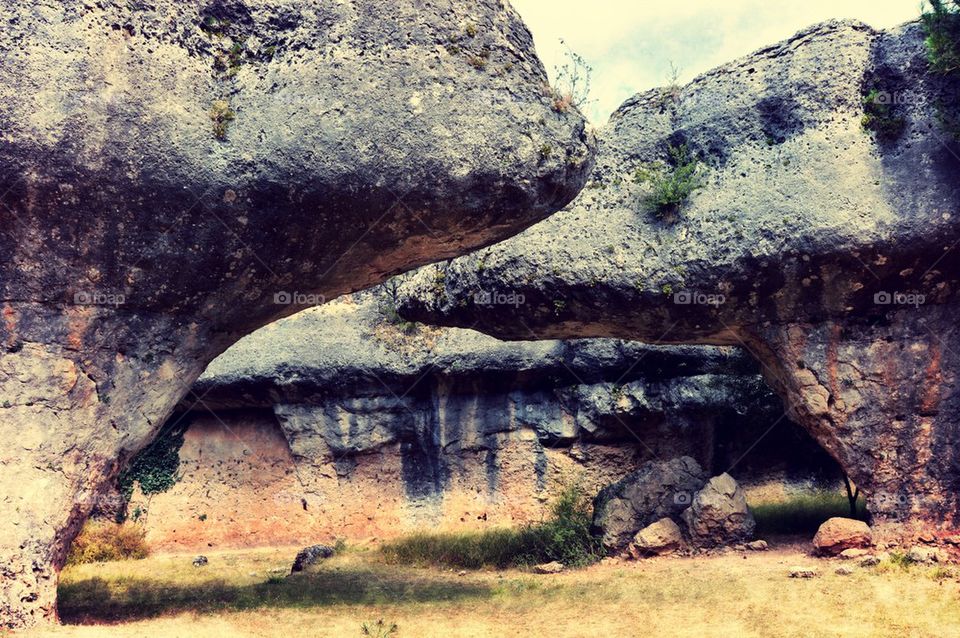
(941, 21)
(572, 82)
(878, 116)
(671, 183)
(100, 541)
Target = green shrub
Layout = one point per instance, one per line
(565, 537)
(941, 21)
(100, 541)
(878, 116)
(156, 467)
(671, 183)
(804, 513)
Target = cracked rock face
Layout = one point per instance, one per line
(828, 253)
(174, 175)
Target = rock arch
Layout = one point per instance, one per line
(827, 252)
(174, 175)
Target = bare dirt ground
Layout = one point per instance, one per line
(245, 593)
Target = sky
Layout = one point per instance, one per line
(631, 44)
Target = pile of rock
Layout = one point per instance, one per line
(667, 506)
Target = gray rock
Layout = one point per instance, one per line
(549, 568)
(804, 572)
(165, 192)
(659, 489)
(843, 571)
(921, 554)
(829, 252)
(662, 537)
(311, 556)
(719, 514)
(200, 561)
(869, 561)
(758, 546)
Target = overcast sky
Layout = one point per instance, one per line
(630, 44)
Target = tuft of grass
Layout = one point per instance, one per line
(803, 514)
(565, 537)
(670, 183)
(878, 116)
(221, 115)
(941, 21)
(379, 629)
(101, 541)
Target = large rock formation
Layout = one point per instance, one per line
(827, 251)
(174, 175)
(341, 421)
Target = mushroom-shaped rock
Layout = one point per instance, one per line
(828, 250)
(174, 175)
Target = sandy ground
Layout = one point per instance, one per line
(736, 594)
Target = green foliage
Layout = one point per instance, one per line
(878, 116)
(100, 541)
(901, 560)
(379, 629)
(565, 537)
(804, 513)
(941, 21)
(155, 468)
(221, 115)
(572, 87)
(670, 183)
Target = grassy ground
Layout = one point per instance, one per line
(742, 595)
(802, 513)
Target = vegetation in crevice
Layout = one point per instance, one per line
(572, 82)
(879, 117)
(221, 115)
(670, 183)
(156, 468)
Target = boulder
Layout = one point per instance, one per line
(920, 554)
(719, 514)
(176, 174)
(804, 572)
(838, 534)
(200, 561)
(553, 567)
(763, 256)
(658, 489)
(843, 571)
(310, 556)
(758, 546)
(661, 537)
(853, 553)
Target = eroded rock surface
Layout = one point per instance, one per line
(174, 175)
(827, 252)
(718, 514)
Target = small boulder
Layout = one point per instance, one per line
(843, 571)
(804, 572)
(853, 553)
(838, 534)
(718, 514)
(869, 561)
(549, 568)
(920, 554)
(758, 546)
(661, 537)
(310, 555)
(200, 561)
